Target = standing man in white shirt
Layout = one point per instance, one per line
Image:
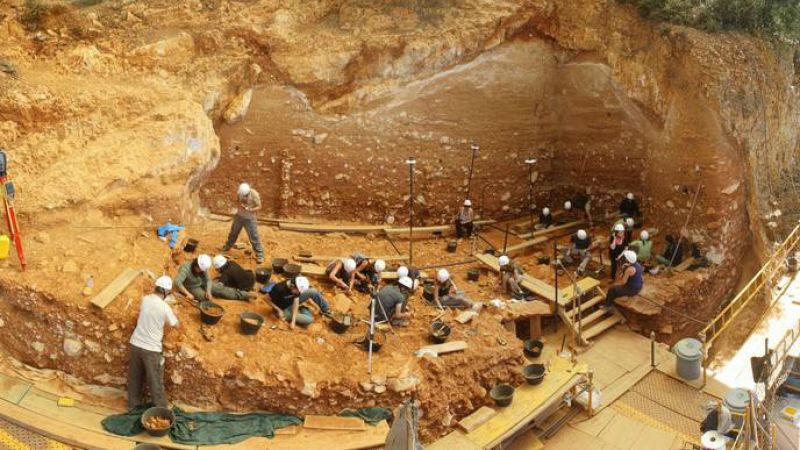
(145, 359)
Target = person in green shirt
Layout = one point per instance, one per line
(192, 279)
(643, 248)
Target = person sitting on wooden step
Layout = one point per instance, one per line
(368, 272)
(510, 277)
(630, 284)
(233, 282)
(545, 219)
(580, 205)
(288, 299)
(464, 220)
(580, 245)
(393, 299)
(643, 248)
(342, 272)
(629, 207)
(192, 279)
(445, 292)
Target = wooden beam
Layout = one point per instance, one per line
(477, 418)
(333, 423)
(390, 258)
(331, 228)
(433, 228)
(552, 230)
(447, 347)
(110, 292)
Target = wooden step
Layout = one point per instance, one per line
(586, 305)
(612, 320)
(586, 320)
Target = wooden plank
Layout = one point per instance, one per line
(466, 316)
(530, 283)
(110, 292)
(333, 423)
(477, 418)
(526, 441)
(584, 285)
(434, 228)
(586, 320)
(371, 437)
(683, 266)
(585, 305)
(331, 228)
(601, 326)
(326, 259)
(313, 270)
(447, 347)
(551, 230)
(454, 441)
(511, 249)
(61, 431)
(621, 432)
(12, 389)
(524, 310)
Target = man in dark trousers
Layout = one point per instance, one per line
(581, 204)
(629, 207)
(145, 345)
(392, 299)
(464, 220)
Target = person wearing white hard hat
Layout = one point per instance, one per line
(580, 206)
(446, 293)
(368, 272)
(510, 277)
(545, 219)
(617, 244)
(249, 202)
(233, 281)
(289, 301)
(579, 246)
(193, 280)
(628, 223)
(342, 272)
(643, 248)
(144, 364)
(464, 220)
(629, 207)
(393, 299)
(631, 282)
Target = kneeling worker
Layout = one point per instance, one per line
(392, 302)
(464, 220)
(368, 272)
(146, 345)
(445, 292)
(510, 277)
(234, 283)
(341, 272)
(545, 219)
(643, 248)
(631, 282)
(288, 298)
(629, 207)
(192, 279)
(580, 246)
(580, 203)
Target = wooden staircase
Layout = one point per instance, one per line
(593, 319)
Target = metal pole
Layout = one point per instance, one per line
(530, 162)
(685, 226)
(471, 166)
(505, 240)
(652, 349)
(555, 272)
(371, 334)
(411, 162)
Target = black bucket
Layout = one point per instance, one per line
(427, 292)
(543, 260)
(158, 411)
(502, 394)
(439, 332)
(473, 274)
(377, 342)
(305, 254)
(278, 264)
(263, 274)
(490, 251)
(191, 245)
(291, 270)
(211, 313)
(250, 322)
(533, 347)
(452, 246)
(533, 373)
(341, 322)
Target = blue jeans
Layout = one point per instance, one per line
(304, 315)
(316, 297)
(251, 226)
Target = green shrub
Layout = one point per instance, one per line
(33, 12)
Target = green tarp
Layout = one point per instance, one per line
(211, 428)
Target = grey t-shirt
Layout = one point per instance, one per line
(389, 297)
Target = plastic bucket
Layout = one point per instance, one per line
(502, 394)
(250, 322)
(277, 265)
(689, 354)
(211, 313)
(158, 411)
(533, 373)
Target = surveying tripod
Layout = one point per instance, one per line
(7, 192)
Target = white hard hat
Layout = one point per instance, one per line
(568, 205)
(402, 271)
(349, 265)
(405, 281)
(379, 265)
(204, 262)
(644, 235)
(164, 282)
(630, 196)
(581, 234)
(629, 221)
(442, 275)
(467, 202)
(630, 256)
(619, 227)
(219, 261)
(546, 211)
(244, 189)
(301, 283)
(503, 260)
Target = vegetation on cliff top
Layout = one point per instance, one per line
(770, 18)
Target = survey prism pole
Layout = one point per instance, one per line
(530, 162)
(411, 163)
